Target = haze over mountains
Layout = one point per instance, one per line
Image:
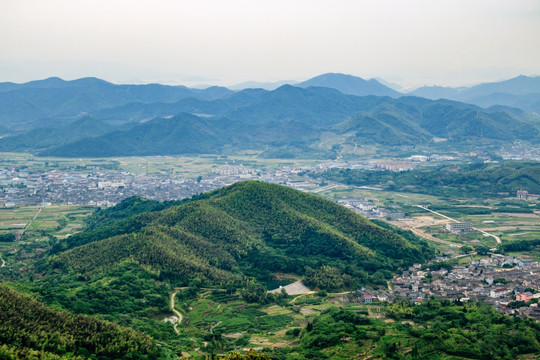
(521, 92)
(91, 117)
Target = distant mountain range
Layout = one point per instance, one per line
(521, 92)
(90, 117)
(352, 85)
(24, 106)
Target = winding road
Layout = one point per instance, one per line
(3, 262)
(177, 313)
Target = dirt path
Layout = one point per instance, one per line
(213, 326)
(3, 262)
(177, 313)
(31, 221)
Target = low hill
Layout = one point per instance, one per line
(31, 330)
(250, 228)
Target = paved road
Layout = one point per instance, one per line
(497, 239)
(177, 313)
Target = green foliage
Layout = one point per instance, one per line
(486, 332)
(127, 208)
(475, 179)
(249, 228)
(9, 237)
(251, 355)
(126, 289)
(30, 325)
(466, 249)
(520, 245)
(327, 278)
(436, 329)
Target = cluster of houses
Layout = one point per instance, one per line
(23, 186)
(520, 151)
(509, 284)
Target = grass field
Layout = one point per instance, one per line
(36, 228)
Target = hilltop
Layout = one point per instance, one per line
(246, 229)
(349, 84)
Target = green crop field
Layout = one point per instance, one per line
(36, 228)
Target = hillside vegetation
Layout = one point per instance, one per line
(29, 329)
(477, 179)
(437, 329)
(252, 229)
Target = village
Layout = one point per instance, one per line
(102, 187)
(508, 283)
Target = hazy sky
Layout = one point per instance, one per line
(411, 42)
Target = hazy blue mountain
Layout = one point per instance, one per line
(351, 85)
(436, 92)
(412, 120)
(390, 84)
(289, 120)
(181, 134)
(522, 92)
(140, 111)
(25, 105)
(520, 85)
(293, 120)
(527, 102)
(313, 105)
(42, 138)
(262, 85)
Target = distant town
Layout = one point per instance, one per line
(96, 186)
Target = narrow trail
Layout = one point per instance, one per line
(31, 221)
(177, 313)
(3, 262)
(213, 326)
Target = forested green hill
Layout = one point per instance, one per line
(250, 228)
(29, 329)
(449, 180)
